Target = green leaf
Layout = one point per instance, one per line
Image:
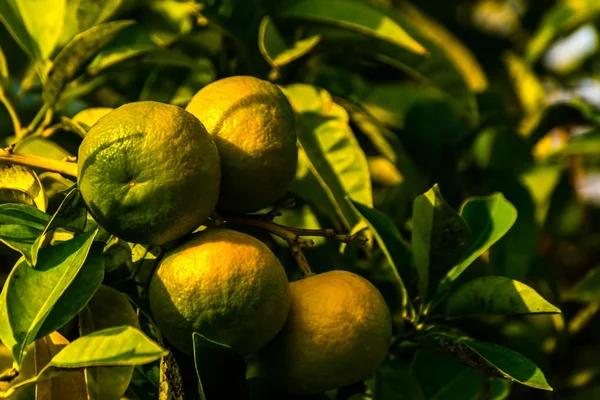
(20, 184)
(491, 295)
(587, 143)
(356, 16)
(335, 157)
(439, 239)
(73, 57)
(121, 345)
(274, 48)
(574, 112)
(9, 15)
(108, 308)
(77, 294)
(458, 54)
(3, 72)
(489, 218)
(29, 295)
(395, 249)
(300, 217)
(433, 75)
(20, 226)
(387, 143)
(490, 358)
(88, 117)
(563, 17)
(92, 12)
(39, 146)
(451, 381)
(35, 24)
(71, 214)
(131, 42)
(44, 22)
(500, 389)
(529, 90)
(587, 289)
(221, 371)
(394, 380)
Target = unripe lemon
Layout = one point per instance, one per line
(252, 124)
(149, 172)
(337, 333)
(223, 284)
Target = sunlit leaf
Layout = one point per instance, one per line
(529, 90)
(354, 15)
(108, 308)
(122, 345)
(19, 184)
(35, 24)
(3, 72)
(491, 295)
(20, 226)
(563, 17)
(489, 218)
(41, 147)
(490, 358)
(29, 295)
(67, 385)
(333, 154)
(457, 53)
(71, 214)
(439, 238)
(73, 57)
(274, 48)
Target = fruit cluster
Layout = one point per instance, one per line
(152, 173)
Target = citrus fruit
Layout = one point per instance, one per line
(252, 124)
(337, 333)
(223, 284)
(148, 172)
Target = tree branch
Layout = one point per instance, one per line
(63, 167)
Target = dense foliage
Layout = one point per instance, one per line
(451, 146)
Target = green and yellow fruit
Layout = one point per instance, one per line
(223, 284)
(252, 124)
(149, 173)
(337, 333)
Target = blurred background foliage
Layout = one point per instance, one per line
(490, 96)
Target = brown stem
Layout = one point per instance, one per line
(290, 232)
(300, 259)
(67, 168)
(276, 211)
(282, 231)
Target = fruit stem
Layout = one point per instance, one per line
(63, 167)
(11, 112)
(300, 259)
(282, 231)
(289, 232)
(44, 114)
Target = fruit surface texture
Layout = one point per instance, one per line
(223, 284)
(253, 126)
(337, 333)
(149, 172)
